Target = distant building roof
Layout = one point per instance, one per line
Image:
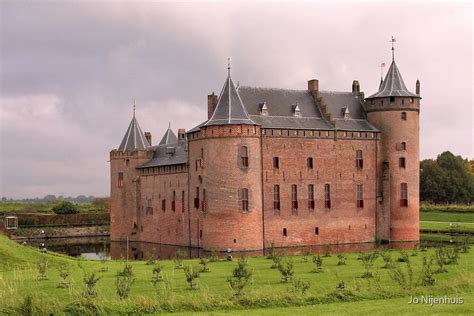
(166, 155)
(169, 137)
(134, 137)
(230, 108)
(393, 85)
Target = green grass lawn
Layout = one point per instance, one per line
(446, 227)
(18, 279)
(439, 216)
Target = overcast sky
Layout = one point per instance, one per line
(69, 72)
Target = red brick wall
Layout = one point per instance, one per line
(334, 162)
(404, 221)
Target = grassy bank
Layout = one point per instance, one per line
(43, 208)
(439, 216)
(427, 207)
(18, 279)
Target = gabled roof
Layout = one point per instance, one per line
(393, 85)
(169, 137)
(230, 108)
(134, 137)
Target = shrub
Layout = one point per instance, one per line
(387, 259)
(342, 259)
(327, 250)
(27, 307)
(203, 262)
(178, 259)
(65, 207)
(440, 259)
(452, 255)
(368, 259)
(301, 287)
(426, 277)
(157, 274)
(42, 267)
(305, 254)
(124, 285)
(276, 261)
(90, 280)
(318, 262)
(127, 270)
(64, 273)
(191, 275)
(285, 266)
(213, 256)
(403, 256)
(271, 250)
(405, 280)
(240, 278)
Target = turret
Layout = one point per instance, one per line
(395, 111)
(124, 189)
(225, 177)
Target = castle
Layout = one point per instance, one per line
(288, 167)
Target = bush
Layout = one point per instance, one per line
(327, 250)
(387, 258)
(90, 280)
(42, 267)
(368, 259)
(178, 259)
(157, 274)
(426, 277)
(318, 262)
(203, 262)
(405, 280)
(124, 285)
(285, 266)
(65, 207)
(240, 278)
(301, 287)
(191, 275)
(342, 259)
(64, 273)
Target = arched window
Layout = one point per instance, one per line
(244, 199)
(285, 232)
(244, 156)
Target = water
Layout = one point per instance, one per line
(96, 248)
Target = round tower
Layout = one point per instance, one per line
(225, 185)
(124, 182)
(394, 110)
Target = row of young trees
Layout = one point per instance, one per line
(447, 179)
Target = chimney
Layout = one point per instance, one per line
(211, 104)
(355, 88)
(417, 87)
(313, 86)
(181, 135)
(148, 137)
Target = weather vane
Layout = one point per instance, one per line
(228, 65)
(134, 106)
(393, 40)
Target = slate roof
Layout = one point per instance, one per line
(338, 101)
(169, 137)
(393, 85)
(134, 137)
(168, 152)
(230, 108)
(285, 122)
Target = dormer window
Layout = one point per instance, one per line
(296, 110)
(392, 99)
(264, 109)
(347, 114)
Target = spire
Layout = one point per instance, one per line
(230, 108)
(169, 137)
(393, 40)
(134, 137)
(393, 85)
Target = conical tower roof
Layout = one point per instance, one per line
(393, 85)
(169, 137)
(230, 108)
(134, 137)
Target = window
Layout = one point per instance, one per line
(276, 162)
(316, 230)
(173, 202)
(200, 233)
(402, 162)
(294, 197)
(311, 196)
(196, 199)
(404, 195)
(163, 205)
(276, 197)
(244, 157)
(127, 162)
(327, 196)
(244, 199)
(403, 146)
(285, 232)
(360, 195)
(309, 162)
(120, 180)
(182, 201)
(404, 116)
(392, 99)
(149, 206)
(204, 201)
(359, 160)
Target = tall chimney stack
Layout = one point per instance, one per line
(211, 104)
(181, 135)
(417, 87)
(313, 86)
(148, 137)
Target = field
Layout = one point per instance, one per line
(44, 208)
(265, 295)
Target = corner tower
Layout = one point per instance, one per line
(225, 177)
(395, 111)
(124, 182)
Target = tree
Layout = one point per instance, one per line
(65, 207)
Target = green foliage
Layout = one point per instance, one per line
(27, 307)
(271, 251)
(276, 258)
(240, 278)
(327, 250)
(301, 287)
(127, 270)
(90, 281)
(305, 254)
(342, 259)
(64, 274)
(204, 263)
(157, 274)
(286, 269)
(191, 275)
(65, 207)
(404, 279)
(403, 256)
(387, 258)
(123, 285)
(427, 272)
(178, 259)
(440, 259)
(447, 179)
(318, 262)
(42, 267)
(368, 260)
(213, 256)
(101, 204)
